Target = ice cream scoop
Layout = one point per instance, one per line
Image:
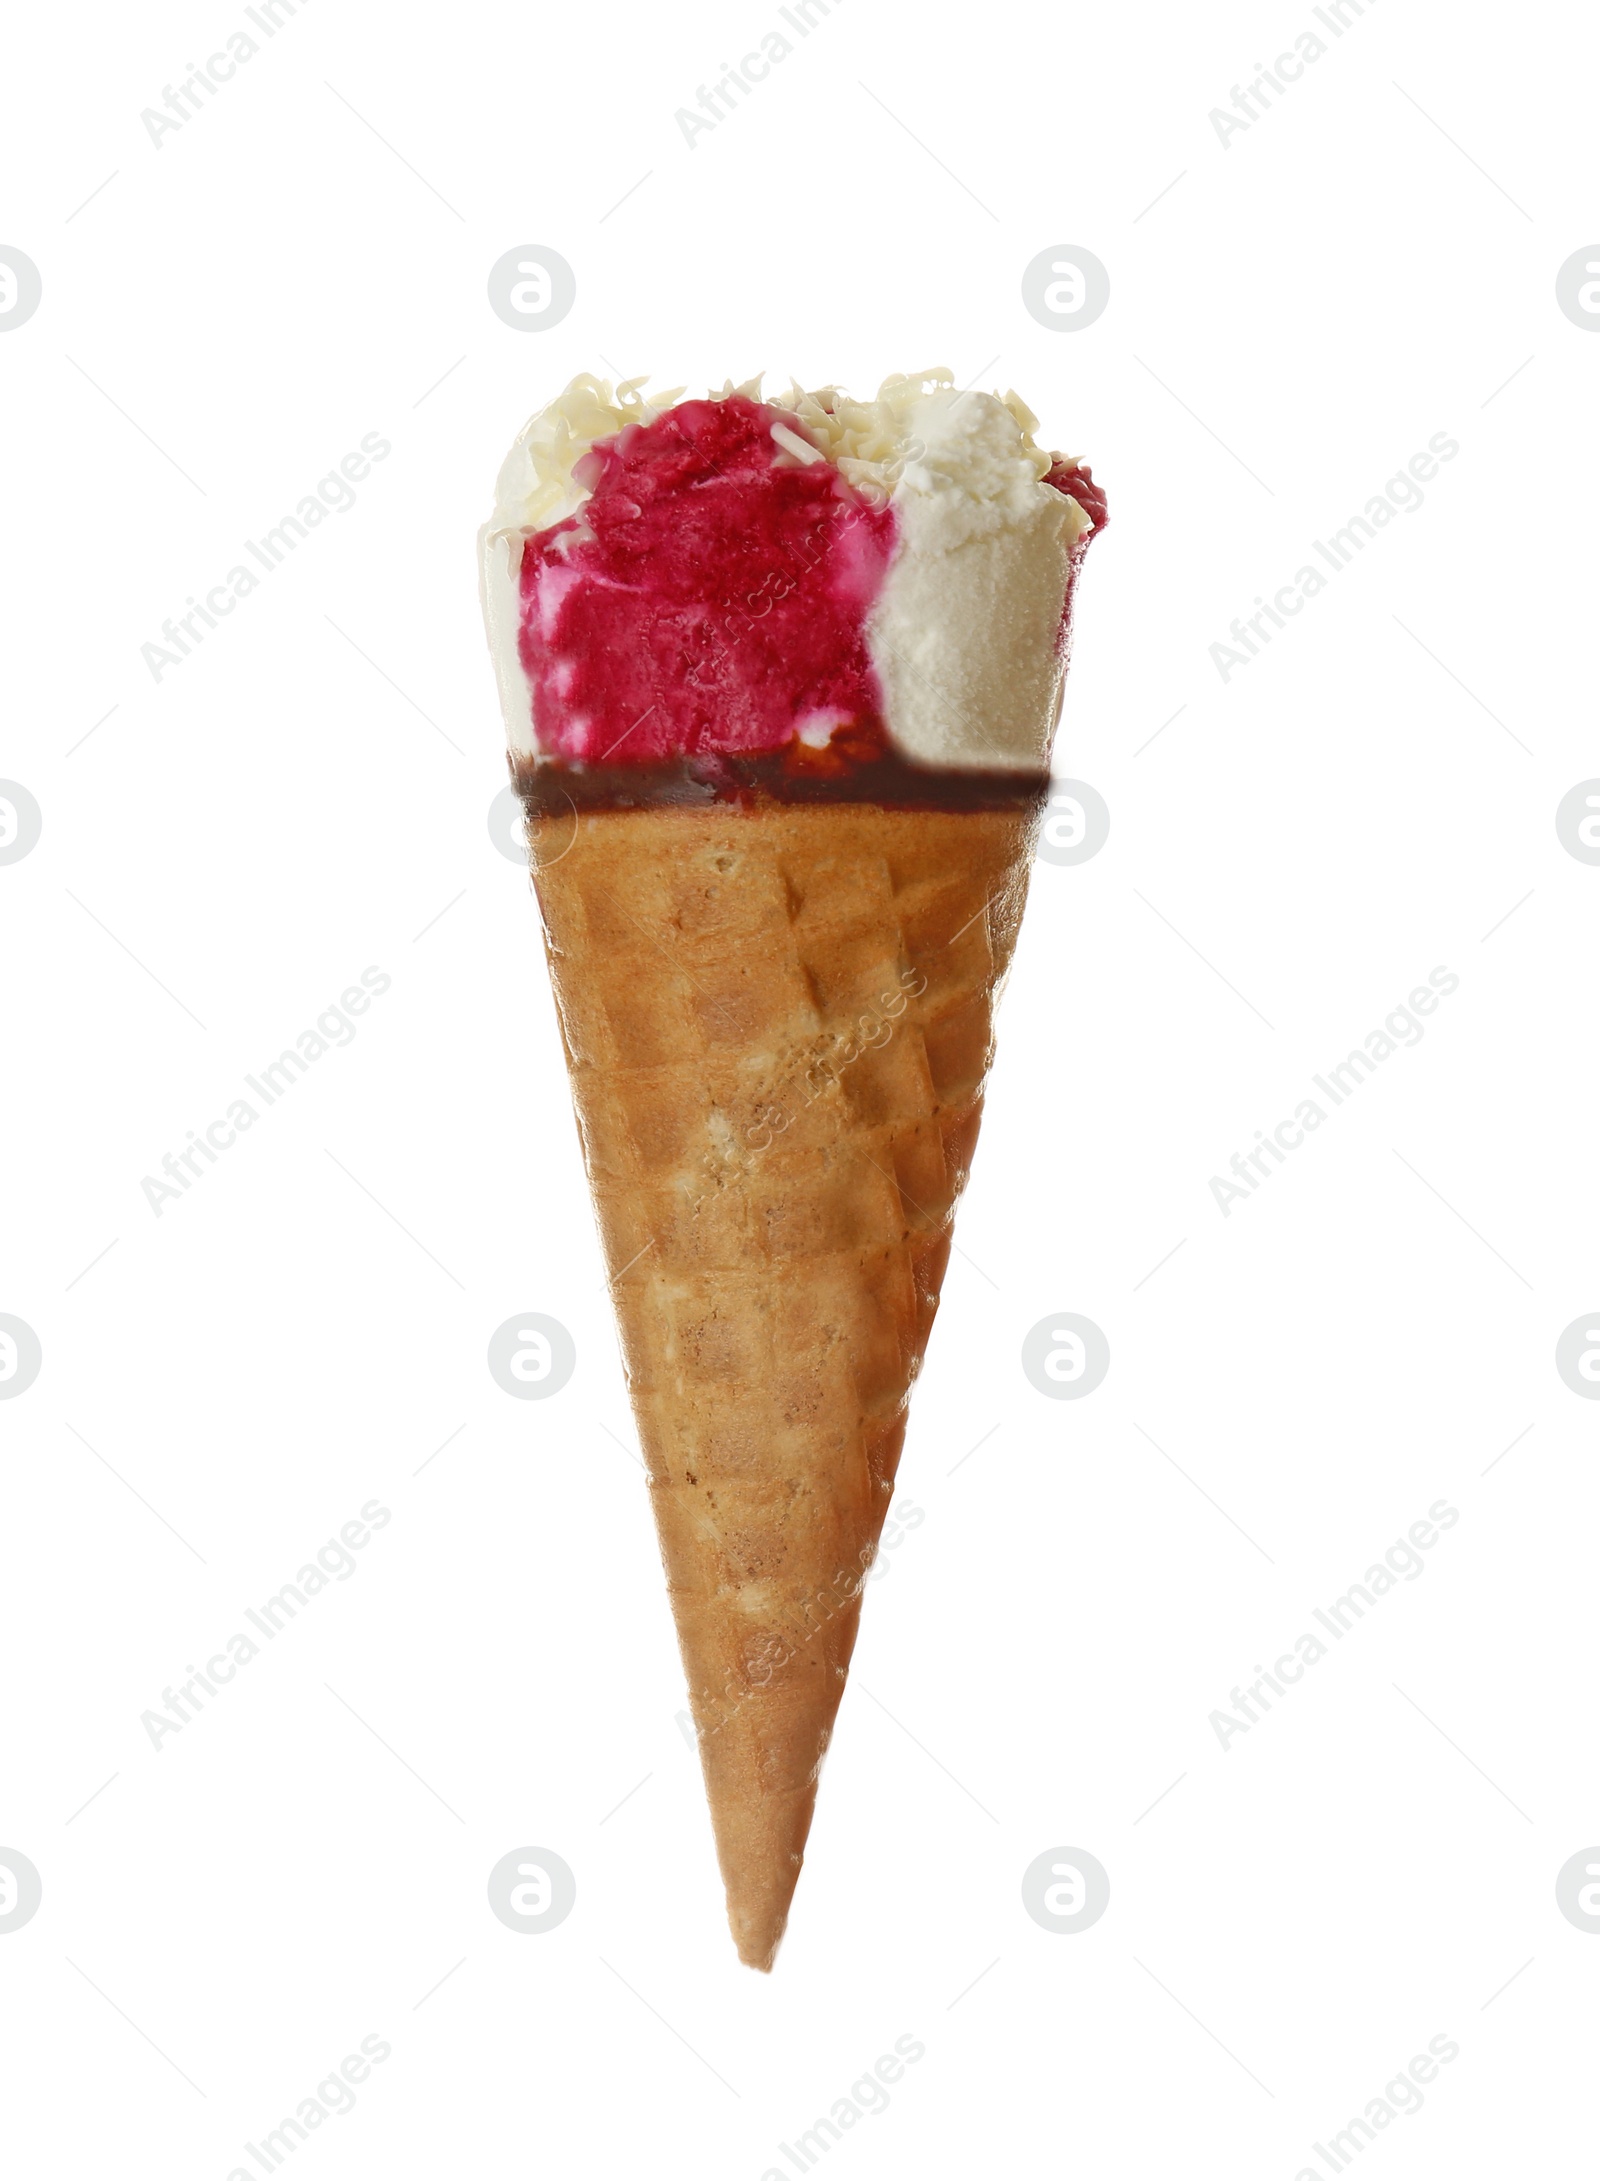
(731, 575)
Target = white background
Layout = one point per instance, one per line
(304, 263)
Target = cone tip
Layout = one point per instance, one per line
(759, 1920)
(758, 1949)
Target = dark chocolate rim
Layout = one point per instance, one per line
(548, 789)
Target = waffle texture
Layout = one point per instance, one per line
(778, 1024)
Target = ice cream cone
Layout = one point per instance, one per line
(780, 682)
(777, 1019)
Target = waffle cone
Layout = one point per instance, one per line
(778, 1023)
